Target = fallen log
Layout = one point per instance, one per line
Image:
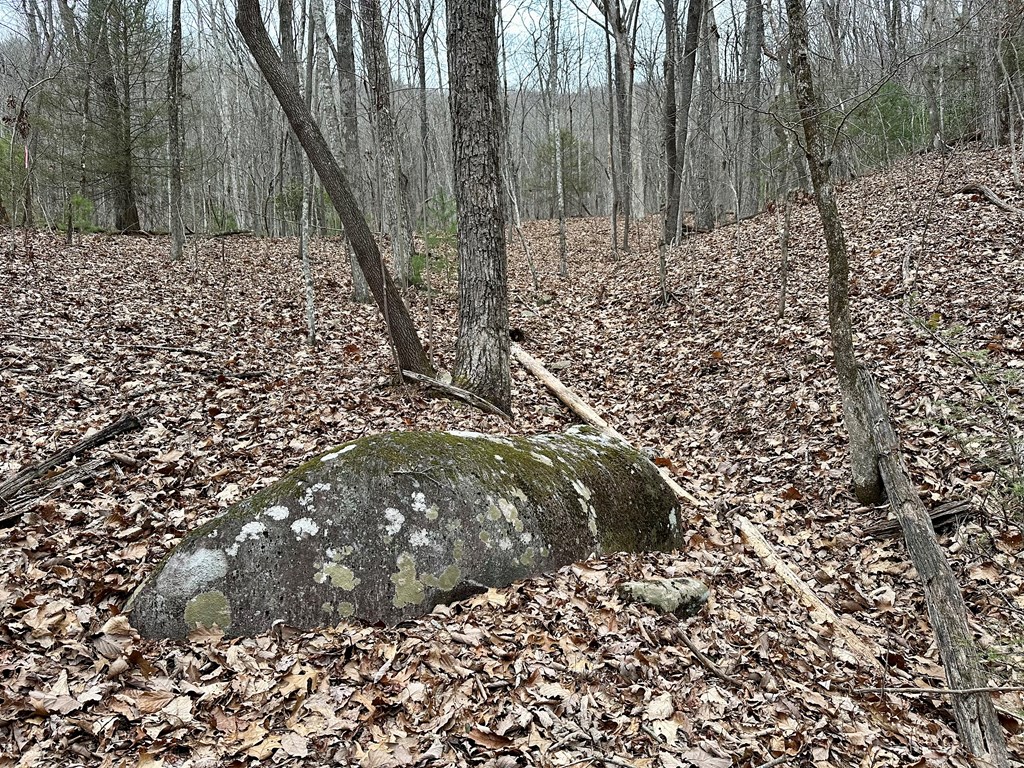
(588, 414)
(865, 651)
(989, 195)
(975, 713)
(10, 488)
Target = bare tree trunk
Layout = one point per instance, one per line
(620, 21)
(556, 133)
(408, 351)
(117, 120)
(867, 483)
(704, 201)
(378, 76)
(671, 147)
(750, 123)
(307, 195)
(691, 40)
(482, 350)
(177, 225)
(613, 165)
(421, 26)
(988, 108)
(347, 102)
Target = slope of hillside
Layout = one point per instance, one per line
(556, 671)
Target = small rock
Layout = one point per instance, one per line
(683, 597)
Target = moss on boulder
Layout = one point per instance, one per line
(385, 527)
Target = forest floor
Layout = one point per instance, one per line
(740, 404)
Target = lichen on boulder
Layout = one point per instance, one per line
(385, 527)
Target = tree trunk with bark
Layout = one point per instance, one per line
(867, 483)
(378, 81)
(116, 116)
(976, 718)
(750, 123)
(691, 41)
(174, 74)
(348, 100)
(408, 351)
(672, 168)
(482, 350)
(556, 133)
(704, 206)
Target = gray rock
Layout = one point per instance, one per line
(683, 597)
(385, 527)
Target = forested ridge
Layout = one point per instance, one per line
(737, 402)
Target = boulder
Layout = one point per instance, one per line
(683, 597)
(385, 527)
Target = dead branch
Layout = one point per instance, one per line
(466, 396)
(944, 691)
(181, 350)
(942, 515)
(976, 717)
(11, 487)
(864, 650)
(588, 414)
(705, 662)
(989, 195)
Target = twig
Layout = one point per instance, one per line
(944, 691)
(182, 350)
(462, 394)
(707, 663)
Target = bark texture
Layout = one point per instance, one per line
(867, 483)
(482, 350)
(691, 40)
(378, 81)
(348, 101)
(408, 350)
(177, 225)
(976, 719)
(671, 151)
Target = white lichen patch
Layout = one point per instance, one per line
(251, 530)
(419, 502)
(393, 521)
(592, 520)
(320, 488)
(277, 512)
(541, 458)
(480, 436)
(186, 574)
(419, 538)
(335, 454)
(304, 527)
(505, 543)
(581, 489)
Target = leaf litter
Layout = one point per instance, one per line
(739, 404)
